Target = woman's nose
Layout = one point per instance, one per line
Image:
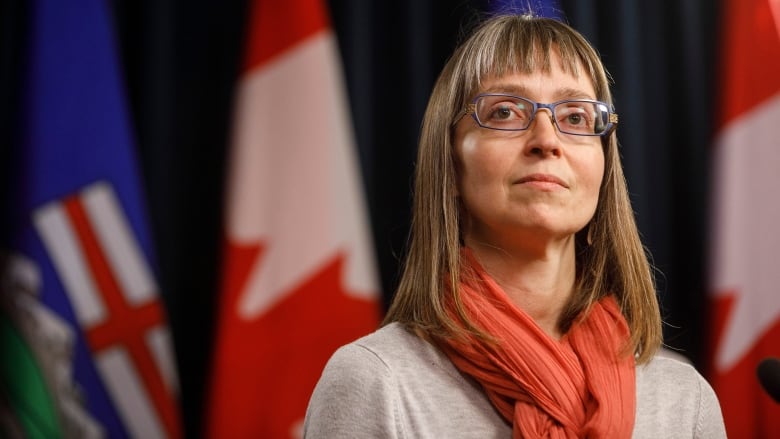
(543, 136)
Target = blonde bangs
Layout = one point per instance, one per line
(525, 46)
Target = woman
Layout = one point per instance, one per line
(527, 305)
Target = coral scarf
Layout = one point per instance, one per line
(578, 387)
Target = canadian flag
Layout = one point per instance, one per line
(299, 274)
(745, 276)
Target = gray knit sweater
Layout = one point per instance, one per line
(392, 384)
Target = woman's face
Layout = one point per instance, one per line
(536, 184)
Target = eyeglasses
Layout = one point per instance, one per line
(580, 117)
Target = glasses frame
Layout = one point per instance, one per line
(471, 109)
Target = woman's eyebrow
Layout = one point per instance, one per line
(519, 90)
(572, 93)
(514, 89)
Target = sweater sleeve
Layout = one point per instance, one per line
(355, 397)
(710, 420)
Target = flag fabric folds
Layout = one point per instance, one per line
(299, 277)
(744, 280)
(85, 344)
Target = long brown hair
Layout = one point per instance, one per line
(613, 262)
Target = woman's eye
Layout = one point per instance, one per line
(505, 111)
(574, 119)
(502, 113)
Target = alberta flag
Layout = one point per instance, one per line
(299, 274)
(85, 346)
(745, 279)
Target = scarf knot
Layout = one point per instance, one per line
(577, 387)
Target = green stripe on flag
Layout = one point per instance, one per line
(24, 386)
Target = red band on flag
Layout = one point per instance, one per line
(751, 61)
(276, 26)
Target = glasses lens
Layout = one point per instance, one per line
(583, 118)
(504, 112)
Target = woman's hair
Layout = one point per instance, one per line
(610, 260)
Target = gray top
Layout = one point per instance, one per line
(392, 384)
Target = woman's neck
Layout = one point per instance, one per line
(539, 282)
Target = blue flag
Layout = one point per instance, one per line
(86, 348)
(541, 8)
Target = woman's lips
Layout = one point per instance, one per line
(544, 180)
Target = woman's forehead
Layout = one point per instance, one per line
(552, 82)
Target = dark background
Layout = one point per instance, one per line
(181, 61)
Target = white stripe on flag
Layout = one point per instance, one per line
(122, 251)
(275, 162)
(128, 392)
(57, 234)
(745, 221)
(158, 339)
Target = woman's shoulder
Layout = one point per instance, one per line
(392, 381)
(670, 371)
(673, 396)
(391, 349)
(371, 359)
(357, 393)
(389, 338)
